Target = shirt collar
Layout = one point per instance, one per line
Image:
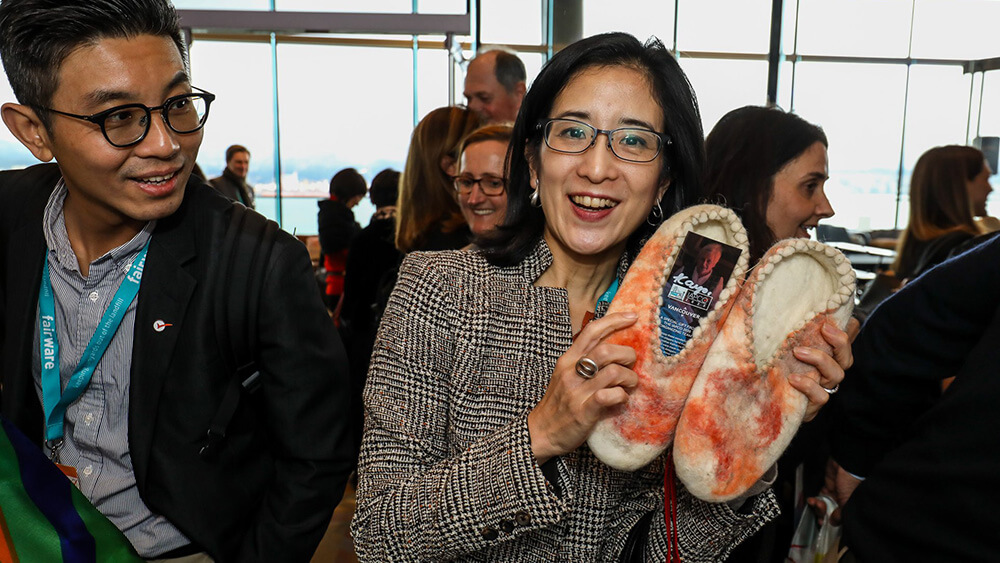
(57, 239)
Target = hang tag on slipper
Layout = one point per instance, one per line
(70, 472)
(702, 269)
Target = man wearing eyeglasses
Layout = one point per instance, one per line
(110, 353)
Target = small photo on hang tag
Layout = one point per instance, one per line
(70, 472)
(702, 268)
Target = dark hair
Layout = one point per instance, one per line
(36, 36)
(682, 160)
(745, 150)
(346, 184)
(939, 201)
(507, 67)
(233, 149)
(385, 188)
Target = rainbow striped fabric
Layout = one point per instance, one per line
(43, 517)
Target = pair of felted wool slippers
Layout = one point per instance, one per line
(724, 400)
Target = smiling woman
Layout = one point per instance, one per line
(770, 166)
(480, 184)
(479, 396)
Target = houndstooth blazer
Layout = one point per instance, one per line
(464, 352)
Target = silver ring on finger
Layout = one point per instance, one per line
(834, 390)
(586, 368)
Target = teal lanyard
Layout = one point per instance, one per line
(55, 401)
(610, 293)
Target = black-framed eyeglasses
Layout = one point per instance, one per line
(490, 184)
(634, 144)
(127, 125)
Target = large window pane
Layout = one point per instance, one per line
(441, 6)
(724, 85)
(788, 18)
(950, 29)
(724, 25)
(657, 18)
(532, 65)
(936, 114)
(866, 28)
(989, 118)
(242, 113)
(339, 114)
(786, 79)
(511, 22)
(432, 80)
(864, 129)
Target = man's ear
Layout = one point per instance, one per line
(24, 123)
(520, 89)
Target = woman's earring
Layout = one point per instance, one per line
(655, 215)
(534, 198)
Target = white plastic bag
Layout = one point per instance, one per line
(813, 543)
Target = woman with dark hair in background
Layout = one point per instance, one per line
(770, 166)
(475, 412)
(337, 228)
(372, 254)
(427, 213)
(948, 188)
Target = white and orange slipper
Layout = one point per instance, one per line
(643, 428)
(742, 412)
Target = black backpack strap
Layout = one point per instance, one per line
(239, 279)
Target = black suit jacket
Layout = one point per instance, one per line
(931, 469)
(270, 492)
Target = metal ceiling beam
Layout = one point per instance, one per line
(982, 65)
(257, 21)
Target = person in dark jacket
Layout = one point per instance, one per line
(371, 264)
(337, 228)
(111, 261)
(928, 491)
(233, 181)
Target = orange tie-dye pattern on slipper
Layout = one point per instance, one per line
(643, 428)
(742, 412)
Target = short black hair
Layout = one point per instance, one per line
(385, 188)
(683, 159)
(233, 149)
(745, 150)
(36, 36)
(348, 183)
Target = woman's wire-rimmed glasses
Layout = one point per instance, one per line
(128, 124)
(634, 144)
(490, 184)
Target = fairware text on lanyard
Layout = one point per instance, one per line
(54, 400)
